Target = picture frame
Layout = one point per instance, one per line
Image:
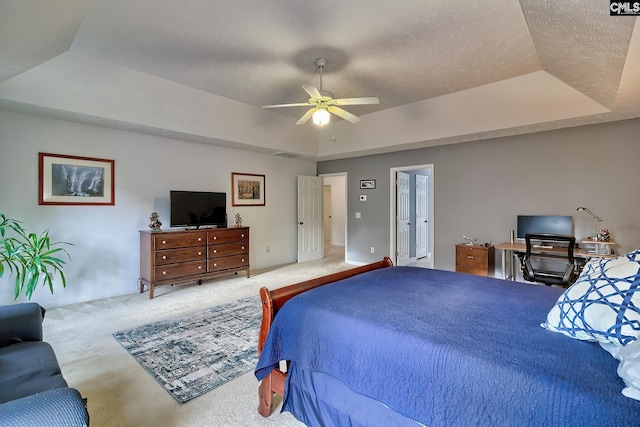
(367, 184)
(75, 180)
(247, 189)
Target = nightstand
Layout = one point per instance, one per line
(476, 259)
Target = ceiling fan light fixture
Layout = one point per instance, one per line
(324, 104)
(321, 116)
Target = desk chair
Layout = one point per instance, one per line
(549, 259)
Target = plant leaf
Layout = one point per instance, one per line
(30, 257)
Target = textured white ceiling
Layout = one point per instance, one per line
(403, 52)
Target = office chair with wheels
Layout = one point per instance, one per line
(549, 259)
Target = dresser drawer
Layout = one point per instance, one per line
(216, 264)
(471, 258)
(226, 249)
(178, 240)
(478, 271)
(185, 269)
(227, 235)
(170, 256)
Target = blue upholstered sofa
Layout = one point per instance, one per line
(32, 389)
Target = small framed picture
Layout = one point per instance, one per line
(74, 180)
(367, 184)
(247, 189)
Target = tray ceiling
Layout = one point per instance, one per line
(407, 53)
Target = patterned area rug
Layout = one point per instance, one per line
(194, 354)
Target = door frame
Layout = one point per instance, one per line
(392, 208)
(326, 204)
(346, 207)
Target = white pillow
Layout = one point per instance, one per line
(604, 303)
(629, 369)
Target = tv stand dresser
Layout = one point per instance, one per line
(180, 256)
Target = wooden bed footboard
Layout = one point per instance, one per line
(272, 302)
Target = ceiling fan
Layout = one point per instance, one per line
(324, 103)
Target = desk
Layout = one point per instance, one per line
(514, 248)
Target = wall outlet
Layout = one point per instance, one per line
(363, 197)
(358, 215)
(373, 249)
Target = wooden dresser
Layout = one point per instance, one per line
(476, 259)
(172, 257)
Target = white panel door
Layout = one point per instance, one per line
(403, 223)
(310, 235)
(421, 216)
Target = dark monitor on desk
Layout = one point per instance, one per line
(556, 224)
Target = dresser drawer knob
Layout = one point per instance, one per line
(215, 251)
(199, 253)
(242, 259)
(243, 247)
(164, 257)
(242, 235)
(215, 264)
(199, 267)
(164, 242)
(199, 239)
(215, 237)
(471, 257)
(164, 272)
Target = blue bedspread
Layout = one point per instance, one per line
(450, 349)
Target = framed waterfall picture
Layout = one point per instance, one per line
(247, 189)
(74, 180)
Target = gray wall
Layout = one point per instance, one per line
(480, 187)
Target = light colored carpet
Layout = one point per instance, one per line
(120, 392)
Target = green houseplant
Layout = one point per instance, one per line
(29, 256)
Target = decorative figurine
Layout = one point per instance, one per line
(155, 222)
(470, 240)
(238, 220)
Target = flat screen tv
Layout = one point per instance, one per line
(556, 224)
(198, 209)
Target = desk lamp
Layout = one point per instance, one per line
(596, 217)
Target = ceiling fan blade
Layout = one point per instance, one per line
(312, 91)
(357, 101)
(344, 114)
(305, 118)
(299, 104)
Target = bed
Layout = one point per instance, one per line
(384, 345)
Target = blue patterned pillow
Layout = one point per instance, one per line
(604, 303)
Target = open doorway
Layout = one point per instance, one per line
(411, 215)
(335, 217)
